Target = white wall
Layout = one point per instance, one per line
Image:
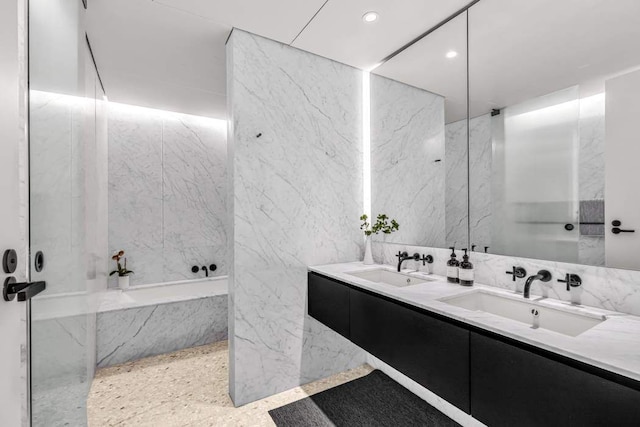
(297, 197)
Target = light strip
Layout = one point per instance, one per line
(366, 144)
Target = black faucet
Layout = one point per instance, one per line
(403, 256)
(543, 276)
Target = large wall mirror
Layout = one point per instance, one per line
(419, 157)
(553, 145)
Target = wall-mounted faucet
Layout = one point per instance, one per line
(543, 276)
(572, 281)
(517, 272)
(204, 268)
(426, 259)
(403, 256)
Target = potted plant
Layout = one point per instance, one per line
(383, 225)
(122, 271)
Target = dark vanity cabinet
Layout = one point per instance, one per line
(433, 353)
(513, 386)
(498, 380)
(329, 303)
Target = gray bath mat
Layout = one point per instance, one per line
(373, 400)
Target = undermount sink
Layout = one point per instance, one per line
(536, 315)
(388, 277)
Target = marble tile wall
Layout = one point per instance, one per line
(608, 288)
(408, 160)
(296, 162)
(167, 193)
(134, 333)
(480, 169)
(456, 208)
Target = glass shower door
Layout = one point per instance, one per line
(67, 145)
(535, 177)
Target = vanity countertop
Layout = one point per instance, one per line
(613, 345)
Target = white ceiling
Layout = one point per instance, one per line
(519, 50)
(169, 54)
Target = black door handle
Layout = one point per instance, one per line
(616, 230)
(24, 290)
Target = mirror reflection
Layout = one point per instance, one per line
(419, 139)
(552, 110)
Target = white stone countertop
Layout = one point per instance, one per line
(613, 345)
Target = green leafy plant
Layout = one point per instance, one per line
(382, 225)
(120, 269)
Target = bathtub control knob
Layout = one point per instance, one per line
(195, 269)
(213, 267)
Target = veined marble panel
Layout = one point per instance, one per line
(135, 191)
(297, 197)
(194, 182)
(168, 193)
(130, 334)
(408, 160)
(480, 169)
(607, 288)
(456, 206)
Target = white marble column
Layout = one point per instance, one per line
(296, 168)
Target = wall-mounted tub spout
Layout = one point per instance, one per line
(207, 270)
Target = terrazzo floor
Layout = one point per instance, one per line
(186, 388)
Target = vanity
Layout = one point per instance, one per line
(478, 349)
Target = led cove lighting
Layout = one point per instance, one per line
(366, 144)
(451, 54)
(370, 17)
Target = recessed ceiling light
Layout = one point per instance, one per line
(370, 17)
(451, 54)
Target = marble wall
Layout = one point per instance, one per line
(607, 288)
(296, 165)
(456, 186)
(134, 333)
(473, 208)
(408, 161)
(167, 193)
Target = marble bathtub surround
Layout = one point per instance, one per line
(612, 345)
(605, 288)
(167, 192)
(296, 199)
(134, 333)
(408, 160)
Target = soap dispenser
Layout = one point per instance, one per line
(452, 267)
(466, 270)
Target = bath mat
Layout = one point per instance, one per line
(373, 400)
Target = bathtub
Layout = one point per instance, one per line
(148, 320)
(162, 293)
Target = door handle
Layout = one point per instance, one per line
(616, 230)
(24, 290)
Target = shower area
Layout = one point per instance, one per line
(107, 177)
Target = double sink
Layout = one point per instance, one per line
(568, 320)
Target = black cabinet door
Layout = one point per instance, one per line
(433, 353)
(328, 302)
(511, 386)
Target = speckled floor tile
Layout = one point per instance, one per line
(186, 388)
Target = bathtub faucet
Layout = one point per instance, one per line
(204, 268)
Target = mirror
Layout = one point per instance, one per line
(552, 133)
(419, 139)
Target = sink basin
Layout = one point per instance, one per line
(563, 321)
(393, 278)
